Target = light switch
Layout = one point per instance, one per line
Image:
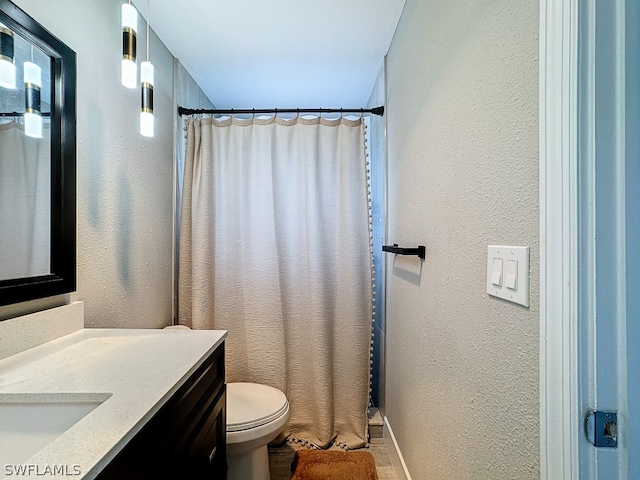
(508, 273)
(511, 275)
(496, 276)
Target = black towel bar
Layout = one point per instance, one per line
(420, 251)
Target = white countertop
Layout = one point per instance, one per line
(136, 370)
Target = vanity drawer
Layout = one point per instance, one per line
(186, 438)
(205, 449)
(194, 398)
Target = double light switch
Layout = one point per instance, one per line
(508, 273)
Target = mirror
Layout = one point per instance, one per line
(37, 160)
(25, 160)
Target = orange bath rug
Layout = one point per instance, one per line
(333, 465)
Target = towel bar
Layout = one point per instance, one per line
(420, 251)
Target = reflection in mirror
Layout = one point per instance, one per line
(37, 160)
(25, 157)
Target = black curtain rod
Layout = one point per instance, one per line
(20, 114)
(260, 111)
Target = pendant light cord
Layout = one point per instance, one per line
(148, 21)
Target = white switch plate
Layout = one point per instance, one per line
(506, 253)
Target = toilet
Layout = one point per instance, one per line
(256, 415)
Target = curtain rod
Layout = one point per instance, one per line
(259, 111)
(20, 114)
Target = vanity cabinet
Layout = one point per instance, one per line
(186, 438)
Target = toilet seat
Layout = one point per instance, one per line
(251, 405)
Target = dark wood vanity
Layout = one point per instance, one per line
(186, 438)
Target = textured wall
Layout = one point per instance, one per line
(462, 367)
(188, 95)
(125, 181)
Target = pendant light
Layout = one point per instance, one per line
(129, 29)
(32, 85)
(7, 60)
(146, 82)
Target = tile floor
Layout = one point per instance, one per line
(280, 459)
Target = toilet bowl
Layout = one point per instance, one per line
(256, 415)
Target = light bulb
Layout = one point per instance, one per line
(33, 125)
(146, 124)
(129, 45)
(147, 73)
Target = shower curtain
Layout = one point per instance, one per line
(25, 191)
(275, 248)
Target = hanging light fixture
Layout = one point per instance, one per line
(146, 82)
(129, 29)
(146, 113)
(7, 60)
(32, 85)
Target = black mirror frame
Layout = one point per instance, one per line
(62, 278)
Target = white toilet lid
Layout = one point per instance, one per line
(251, 405)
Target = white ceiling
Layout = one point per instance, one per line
(278, 53)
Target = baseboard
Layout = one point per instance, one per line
(394, 452)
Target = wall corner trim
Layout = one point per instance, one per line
(394, 452)
(559, 415)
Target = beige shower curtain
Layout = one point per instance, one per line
(25, 197)
(275, 248)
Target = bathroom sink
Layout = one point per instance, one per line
(29, 422)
